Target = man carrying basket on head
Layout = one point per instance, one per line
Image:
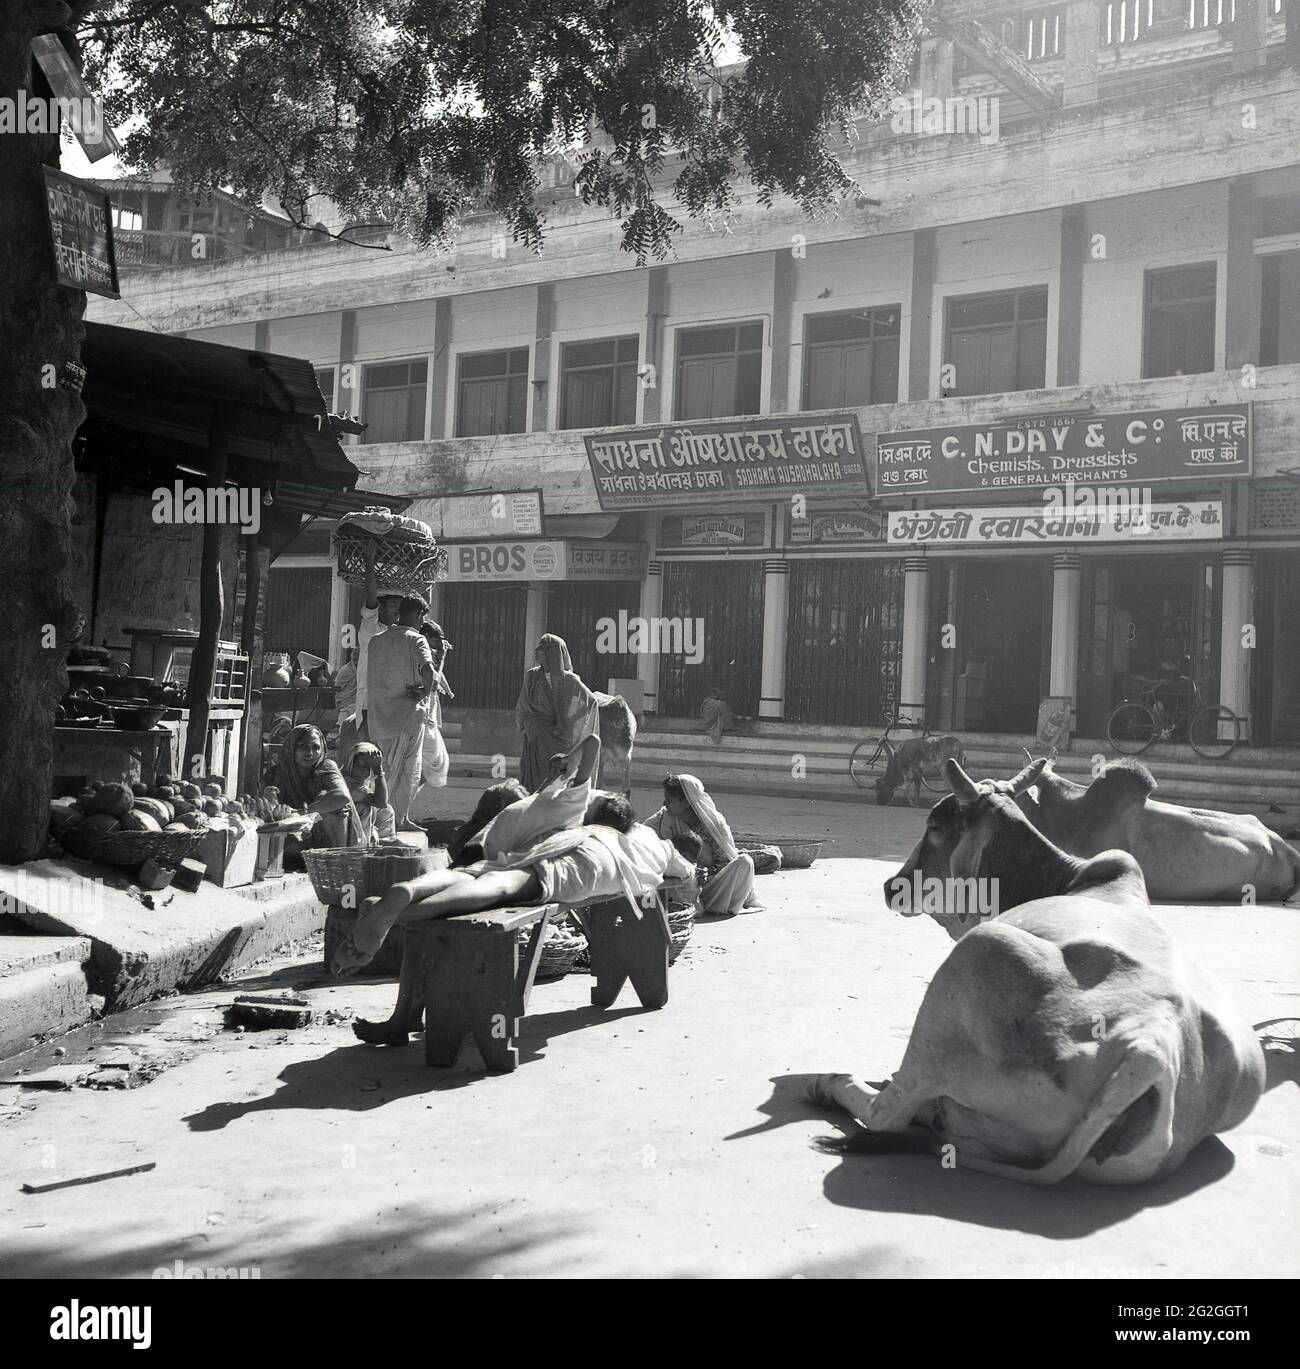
(399, 684)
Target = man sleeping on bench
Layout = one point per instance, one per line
(565, 844)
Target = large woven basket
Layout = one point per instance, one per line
(797, 853)
(562, 946)
(386, 866)
(338, 874)
(130, 849)
(681, 923)
(402, 559)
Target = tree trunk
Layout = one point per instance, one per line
(40, 331)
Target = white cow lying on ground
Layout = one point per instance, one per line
(1066, 1036)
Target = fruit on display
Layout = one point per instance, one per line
(158, 809)
(137, 821)
(114, 799)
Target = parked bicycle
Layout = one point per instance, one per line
(869, 760)
(1171, 710)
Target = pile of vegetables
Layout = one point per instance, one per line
(169, 806)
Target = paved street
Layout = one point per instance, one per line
(628, 1143)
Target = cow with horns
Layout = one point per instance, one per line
(1064, 1036)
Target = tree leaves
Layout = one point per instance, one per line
(418, 112)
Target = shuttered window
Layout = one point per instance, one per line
(393, 400)
(493, 393)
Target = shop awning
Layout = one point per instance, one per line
(151, 399)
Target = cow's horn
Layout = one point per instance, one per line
(960, 782)
(1028, 777)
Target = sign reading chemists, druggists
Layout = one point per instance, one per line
(557, 560)
(704, 464)
(1207, 443)
(1196, 521)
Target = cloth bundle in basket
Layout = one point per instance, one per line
(406, 555)
(562, 946)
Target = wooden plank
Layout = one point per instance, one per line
(511, 919)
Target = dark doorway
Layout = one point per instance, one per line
(998, 644)
(727, 598)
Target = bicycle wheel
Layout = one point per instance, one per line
(1214, 732)
(869, 760)
(1132, 728)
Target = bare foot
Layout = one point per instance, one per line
(385, 1033)
(822, 1089)
(377, 918)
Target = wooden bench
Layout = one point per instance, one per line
(475, 979)
(623, 946)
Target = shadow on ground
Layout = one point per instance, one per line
(918, 1183)
(359, 1078)
(425, 1243)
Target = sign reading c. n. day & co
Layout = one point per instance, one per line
(1210, 442)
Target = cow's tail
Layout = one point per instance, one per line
(1144, 1066)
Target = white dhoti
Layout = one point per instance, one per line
(729, 889)
(403, 759)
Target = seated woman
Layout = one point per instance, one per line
(728, 875)
(364, 775)
(717, 717)
(313, 785)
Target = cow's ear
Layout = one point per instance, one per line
(961, 784)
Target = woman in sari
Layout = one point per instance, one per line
(728, 874)
(315, 786)
(717, 716)
(555, 710)
(363, 772)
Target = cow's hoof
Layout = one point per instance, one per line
(822, 1089)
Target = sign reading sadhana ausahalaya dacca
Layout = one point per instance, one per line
(1210, 442)
(702, 464)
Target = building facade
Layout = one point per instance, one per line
(849, 467)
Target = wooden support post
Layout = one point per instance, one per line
(624, 946)
(203, 664)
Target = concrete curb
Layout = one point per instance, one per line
(42, 988)
(137, 953)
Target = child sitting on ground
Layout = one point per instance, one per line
(364, 775)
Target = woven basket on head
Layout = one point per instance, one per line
(403, 560)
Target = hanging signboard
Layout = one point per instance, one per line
(1212, 442)
(73, 105)
(479, 562)
(831, 526)
(1195, 520)
(474, 517)
(81, 233)
(738, 461)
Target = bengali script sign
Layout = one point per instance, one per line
(1212, 442)
(81, 234)
(750, 459)
(1194, 520)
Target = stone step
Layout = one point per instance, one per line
(42, 988)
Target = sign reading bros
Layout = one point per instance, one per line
(1028, 453)
(736, 461)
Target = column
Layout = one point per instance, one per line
(647, 662)
(776, 608)
(656, 310)
(1069, 332)
(781, 401)
(541, 387)
(1249, 32)
(338, 617)
(1067, 579)
(1082, 50)
(916, 632)
(918, 349)
(1234, 658)
(936, 67)
(439, 387)
(534, 619)
(1243, 285)
(435, 602)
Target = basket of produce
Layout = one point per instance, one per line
(797, 853)
(562, 945)
(124, 825)
(338, 874)
(406, 554)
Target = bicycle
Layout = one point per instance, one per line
(869, 760)
(1212, 730)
